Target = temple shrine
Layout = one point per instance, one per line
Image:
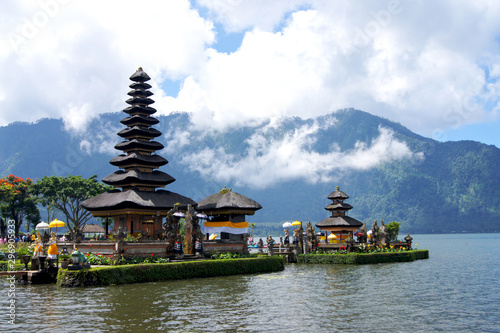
(140, 206)
(338, 224)
(226, 212)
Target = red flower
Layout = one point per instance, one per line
(152, 254)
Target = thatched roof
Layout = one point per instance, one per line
(228, 200)
(139, 109)
(135, 158)
(140, 76)
(93, 229)
(139, 91)
(139, 120)
(338, 207)
(338, 194)
(139, 131)
(134, 176)
(154, 200)
(339, 221)
(137, 144)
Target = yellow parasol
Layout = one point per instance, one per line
(296, 223)
(56, 223)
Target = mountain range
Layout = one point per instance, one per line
(289, 166)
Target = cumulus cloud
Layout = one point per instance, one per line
(269, 161)
(75, 62)
(429, 66)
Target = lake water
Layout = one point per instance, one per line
(456, 290)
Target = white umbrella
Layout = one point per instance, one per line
(179, 214)
(202, 216)
(287, 225)
(42, 226)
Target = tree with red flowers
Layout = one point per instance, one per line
(16, 201)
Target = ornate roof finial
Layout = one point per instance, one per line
(337, 188)
(225, 190)
(140, 69)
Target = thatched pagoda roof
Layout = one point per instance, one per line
(138, 144)
(227, 201)
(135, 158)
(339, 221)
(137, 177)
(338, 194)
(139, 131)
(93, 229)
(139, 120)
(338, 207)
(134, 199)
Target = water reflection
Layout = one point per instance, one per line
(457, 289)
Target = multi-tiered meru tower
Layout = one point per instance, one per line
(139, 207)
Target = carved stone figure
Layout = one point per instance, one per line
(189, 230)
(375, 234)
(408, 240)
(383, 234)
(364, 234)
(287, 238)
(270, 246)
(260, 246)
(349, 243)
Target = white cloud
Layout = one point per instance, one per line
(430, 66)
(270, 161)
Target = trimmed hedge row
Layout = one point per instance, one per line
(4, 266)
(101, 276)
(363, 258)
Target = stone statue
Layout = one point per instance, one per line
(287, 238)
(364, 234)
(383, 235)
(312, 240)
(38, 246)
(52, 251)
(188, 228)
(270, 246)
(300, 231)
(408, 240)
(295, 236)
(260, 246)
(375, 234)
(349, 243)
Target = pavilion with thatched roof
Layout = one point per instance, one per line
(226, 211)
(339, 224)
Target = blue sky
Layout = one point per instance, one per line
(433, 67)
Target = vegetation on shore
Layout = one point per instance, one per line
(101, 276)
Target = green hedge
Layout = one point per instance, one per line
(363, 258)
(4, 265)
(101, 276)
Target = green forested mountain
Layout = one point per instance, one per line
(443, 187)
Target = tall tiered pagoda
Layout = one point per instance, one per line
(339, 223)
(139, 207)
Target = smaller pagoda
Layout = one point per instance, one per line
(226, 212)
(339, 223)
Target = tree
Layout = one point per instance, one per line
(17, 203)
(393, 229)
(66, 194)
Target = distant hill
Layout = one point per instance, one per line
(442, 187)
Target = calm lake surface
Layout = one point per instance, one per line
(456, 290)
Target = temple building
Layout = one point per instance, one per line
(226, 213)
(339, 223)
(137, 205)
